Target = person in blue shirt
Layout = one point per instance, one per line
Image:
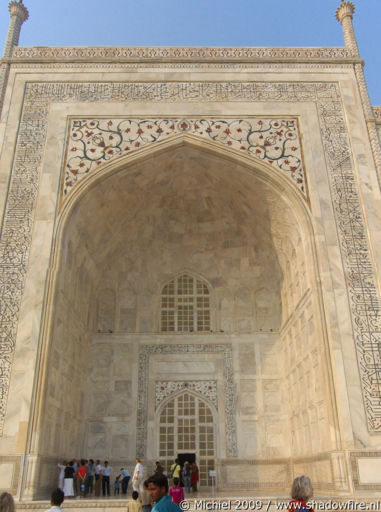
(124, 473)
(158, 489)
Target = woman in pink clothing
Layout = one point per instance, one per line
(176, 492)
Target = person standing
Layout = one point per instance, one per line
(75, 467)
(107, 471)
(194, 476)
(117, 486)
(187, 476)
(68, 480)
(125, 479)
(159, 470)
(81, 476)
(98, 478)
(89, 480)
(61, 474)
(175, 470)
(137, 478)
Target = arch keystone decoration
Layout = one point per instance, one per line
(93, 142)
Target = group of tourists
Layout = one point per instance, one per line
(89, 478)
(187, 475)
(86, 478)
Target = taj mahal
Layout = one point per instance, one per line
(190, 261)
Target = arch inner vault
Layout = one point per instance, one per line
(219, 220)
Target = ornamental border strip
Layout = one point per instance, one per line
(193, 53)
(145, 351)
(228, 66)
(357, 261)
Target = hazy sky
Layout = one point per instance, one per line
(201, 23)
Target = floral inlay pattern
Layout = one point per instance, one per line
(96, 141)
(205, 388)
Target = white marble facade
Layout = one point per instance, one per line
(288, 249)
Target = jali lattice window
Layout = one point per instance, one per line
(185, 305)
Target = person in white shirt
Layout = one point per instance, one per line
(107, 470)
(98, 478)
(137, 479)
(61, 475)
(56, 501)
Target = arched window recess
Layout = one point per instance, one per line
(185, 305)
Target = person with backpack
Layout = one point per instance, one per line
(175, 470)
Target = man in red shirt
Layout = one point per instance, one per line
(81, 475)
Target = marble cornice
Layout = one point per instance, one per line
(180, 54)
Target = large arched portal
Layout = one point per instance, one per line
(215, 218)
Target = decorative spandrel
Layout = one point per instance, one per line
(94, 142)
(205, 388)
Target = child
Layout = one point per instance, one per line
(176, 492)
(135, 505)
(116, 486)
